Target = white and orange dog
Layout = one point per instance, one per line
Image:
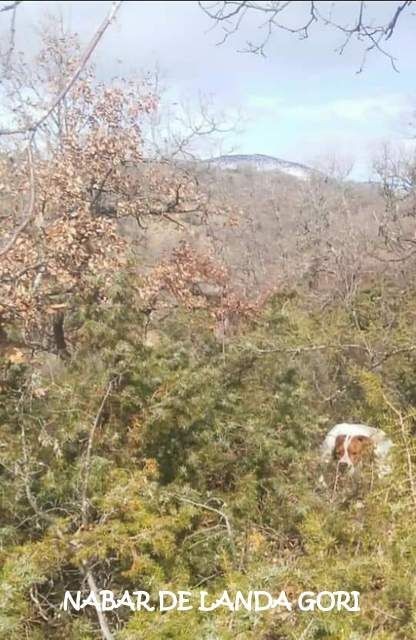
(350, 444)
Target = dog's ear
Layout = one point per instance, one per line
(338, 445)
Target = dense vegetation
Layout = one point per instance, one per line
(187, 426)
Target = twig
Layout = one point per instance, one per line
(105, 630)
(12, 41)
(393, 22)
(392, 353)
(335, 486)
(208, 508)
(35, 599)
(229, 14)
(206, 579)
(87, 463)
(26, 479)
(314, 347)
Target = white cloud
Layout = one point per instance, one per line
(360, 109)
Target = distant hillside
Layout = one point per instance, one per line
(271, 227)
(261, 162)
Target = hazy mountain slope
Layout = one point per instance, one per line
(282, 229)
(261, 162)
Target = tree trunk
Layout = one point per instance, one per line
(59, 335)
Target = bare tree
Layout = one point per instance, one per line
(276, 15)
(396, 171)
(186, 129)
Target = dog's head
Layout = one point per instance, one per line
(351, 450)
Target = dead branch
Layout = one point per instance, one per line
(314, 347)
(105, 630)
(87, 463)
(35, 600)
(392, 353)
(323, 347)
(201, 505)
(27, 483)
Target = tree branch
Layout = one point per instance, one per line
(105, 630)
(83, 61)
(231, 13)
(208, 508)
(87, 463)
(10, 7)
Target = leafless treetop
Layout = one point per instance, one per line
(278, 15)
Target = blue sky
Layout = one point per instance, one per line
(302, 102)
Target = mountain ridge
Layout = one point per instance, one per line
(261, 162)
